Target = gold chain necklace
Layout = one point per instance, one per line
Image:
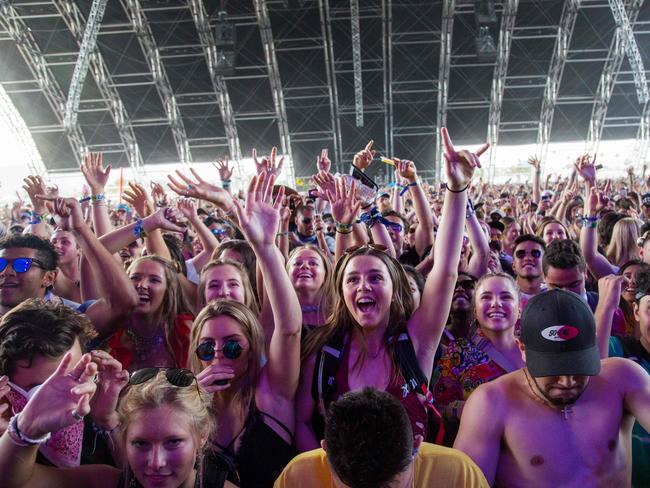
(566, 409)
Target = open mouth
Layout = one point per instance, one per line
(144, 298)
(305, 275)
(366, 304)
(496, 315)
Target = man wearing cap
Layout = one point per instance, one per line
(565, 419)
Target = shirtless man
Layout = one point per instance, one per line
(565, 419)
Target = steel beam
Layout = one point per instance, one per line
(264, 22)
(88, 46)
(608, 79)
(22, 35)
(387, 48)
(328, 51)
(151, 51)
(75, 21)
(356, 61)
(508, 17)
(202, 25)
(554, 77)
(446, 34)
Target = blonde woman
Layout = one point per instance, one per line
(623, 247)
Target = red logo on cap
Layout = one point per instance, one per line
(560, 333)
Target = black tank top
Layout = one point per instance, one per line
(262, 454)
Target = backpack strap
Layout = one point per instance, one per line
(327, 364)
(416, 380)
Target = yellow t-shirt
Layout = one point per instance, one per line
(435, 466)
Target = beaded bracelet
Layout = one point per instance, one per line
(21, 439)
(97, 198)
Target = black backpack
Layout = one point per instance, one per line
(327, 364)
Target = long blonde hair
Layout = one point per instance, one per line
(623, 247)
(326, 292)
(249, 295)
(173, 303)
(190, 401)
(251, 329)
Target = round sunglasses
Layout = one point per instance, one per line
(231, 350)
(520, 254)
(176, 376)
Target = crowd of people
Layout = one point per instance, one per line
(452, 335)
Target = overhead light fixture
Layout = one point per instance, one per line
(225, 37)
(485, 12)
(486, 49)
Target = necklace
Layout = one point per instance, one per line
(144, 346)
(310, 308)
(565, 410)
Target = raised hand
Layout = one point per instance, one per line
(136, 196)
(344, 203)
(609, 289)
(534, 162)
(459, 165)
(260, 219)
(199, 188)
(96, 176)
(225, 171)
(323, 162)
(187, 207)
(62, 400)
(111, 378)
(162, 219)
(268, 164)
(586, 168)
(34, 186)
(406, 169)
(67, 212)
(325, 183)
(159, 195)
(363, 159)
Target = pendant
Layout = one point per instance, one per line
(566, 411)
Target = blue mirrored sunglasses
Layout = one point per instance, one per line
(20, 265)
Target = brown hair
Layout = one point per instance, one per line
(326, 292)
(249, 295)
(173, 303)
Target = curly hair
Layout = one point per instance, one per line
(45, 251)
(37, 328)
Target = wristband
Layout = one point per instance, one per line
(97, 198)
(21, 439)
(100, 430)
(36, 218)
(84, 199)
(406, 187)
(138, 231)
(282, 234)
(343, 228)
(456, 191)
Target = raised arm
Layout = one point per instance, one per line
(478, 438)
(478, 261)
(34, 186)
(96, 177)
(427, 323)
(118, 296)
(537, 173)
(208, 240)
(345, 208)
(609, 294)
(259, 222)
(424, 230)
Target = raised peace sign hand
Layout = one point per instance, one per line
(323, 162)
(459, 165)
(63, 400)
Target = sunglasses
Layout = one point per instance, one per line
(376, 247)
(307, 220)
(536, 253)
(466, 284)
(176, 376)
(219, 232)
(20, 265)
(395, 226)
(231, 350)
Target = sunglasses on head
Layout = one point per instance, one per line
(231, 350)
(176, 376)
(20, 265)
(520, 254)
(376, 247)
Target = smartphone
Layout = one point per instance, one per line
(357, 174)
(312, 193)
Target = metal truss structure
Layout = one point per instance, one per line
(313, 74)
(554, 77)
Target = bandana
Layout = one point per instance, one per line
(63, 449)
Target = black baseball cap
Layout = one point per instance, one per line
(559, 332)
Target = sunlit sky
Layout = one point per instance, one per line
(19, 154)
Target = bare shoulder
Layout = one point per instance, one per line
(621, 371)
(497, 392)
